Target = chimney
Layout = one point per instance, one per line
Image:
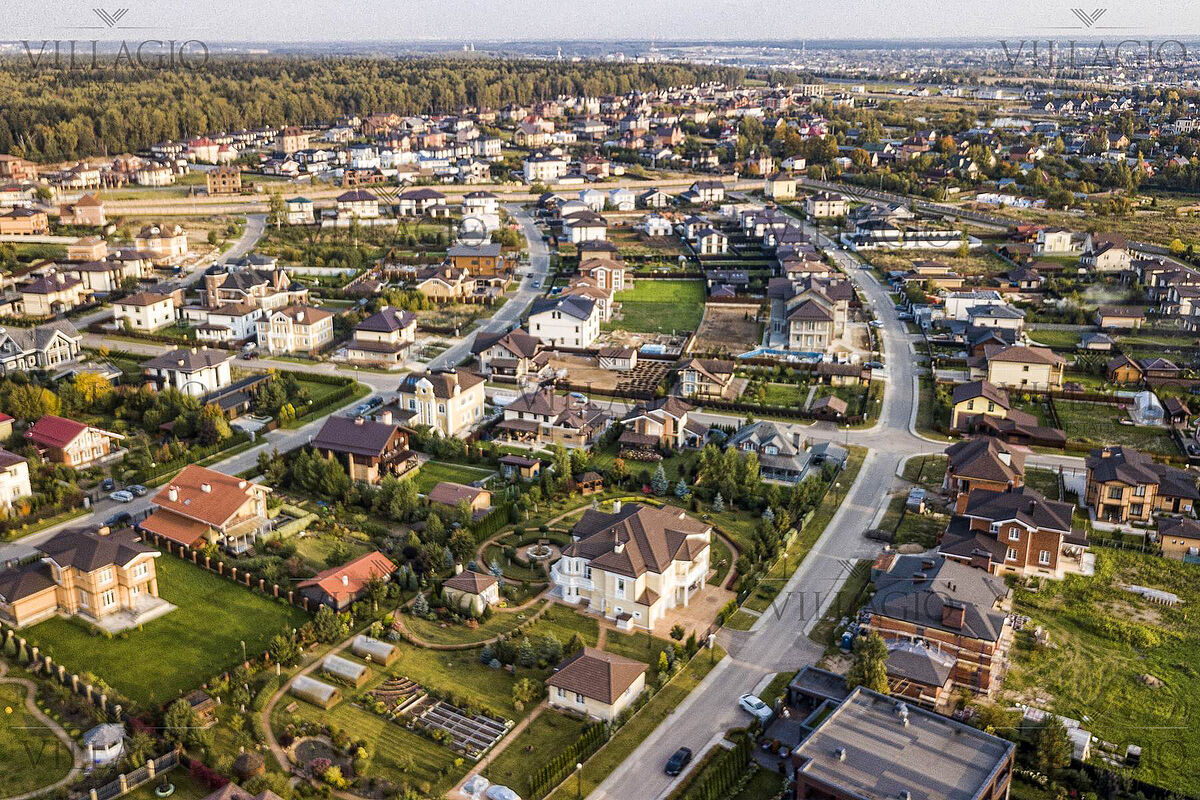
(927, 563)
(1105, 453)
(194, 351)
(619, 547)
(359, 421)
(457, 568)
(386, 418)
(919, 578)
(902, 713)
(981, 559)
(953, 614)
(840, 754)
(616, 507)
(345, 580)
(206, 487)
(172, 494)
(241, 484)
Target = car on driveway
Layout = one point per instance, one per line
(876, 323)
(107, 484)
(755, 707)
(137, 490)
(874, 365)
(678, 760)
(121, 496)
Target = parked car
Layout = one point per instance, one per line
(678, 760)
(119, 520)
(138, 490)
(107, 484)
(755, 707)
(876, 323)
(874, 365)
(121, 496)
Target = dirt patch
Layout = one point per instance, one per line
(727, 330)
(836, 662)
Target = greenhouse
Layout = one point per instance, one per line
(314, 691)
(374, 650)
(345, 670)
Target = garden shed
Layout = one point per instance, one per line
(314, 691)
(345, 670)
(374, 650)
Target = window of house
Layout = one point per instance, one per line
(620, 587)
(562, 693)
(140, 570)
(1139, 491)
(108, 599)
(441, 408)
(1135, 510)
(1044, 557)
(83, 600)
(1014, 534)
(1012, 554)
(579, 698)
(1115, 492)
(105, 575)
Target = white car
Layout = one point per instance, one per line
(121, 496)
(755, 707)
(876, 323)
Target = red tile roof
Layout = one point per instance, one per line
(350, 578)
(51, 431)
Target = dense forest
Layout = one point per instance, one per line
(51, 114)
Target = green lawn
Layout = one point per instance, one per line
(660, 306)
(1098, 424)
(394, 753)
(926, 471)
(719, 553)
(923, 529)
(1043, 480)
(544, 738)
(789, 395)
(741, 621)
(31, 756)
(1057, 340)
(501, 622)
(431, 473)
(186, 787)
(639, 646)
(176, 652)
(762, 784)
(1104, 643)
(563, 623)
(315, 549)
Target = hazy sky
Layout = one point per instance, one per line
(478, 20)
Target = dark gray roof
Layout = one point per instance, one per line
(87, 550)
(387, 320)
(21, 582)
(1024, 505)
(900, 595)
(188, 360)
(355, 435)
(573, 305)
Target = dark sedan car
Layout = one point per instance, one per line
(678, 760)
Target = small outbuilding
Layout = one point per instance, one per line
(311, 690)
(373, 650)
(345, 670)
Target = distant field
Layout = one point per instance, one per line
(660, 307)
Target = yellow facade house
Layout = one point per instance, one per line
(108, 579)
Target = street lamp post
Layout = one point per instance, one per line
(579, 781)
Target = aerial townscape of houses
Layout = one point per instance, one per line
(446, 450)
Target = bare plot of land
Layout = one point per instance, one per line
(725, 329)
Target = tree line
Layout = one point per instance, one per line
(53, 114)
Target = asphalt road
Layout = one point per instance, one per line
(778, 641)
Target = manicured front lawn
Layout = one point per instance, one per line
(186, 787)
(563, 623)
(544, 738)
(176, 652)
(31, 756)
(926, 471)
(641, 724)
(1122, 663)
(660, 307)
(639, 646)
(1043, 480)
(431, 473)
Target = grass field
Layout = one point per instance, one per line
(31, 756)
(1098, 424)
(660, 307)
(640, 646)
(1057, 340)
(1042, 480)
(179, 651)
(926, 471)
(545, 737)
(431, 473)
(1122, 663)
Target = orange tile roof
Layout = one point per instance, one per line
(350, 578)
(224, 497)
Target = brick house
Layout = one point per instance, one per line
(72, 443)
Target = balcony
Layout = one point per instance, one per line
(564, 579)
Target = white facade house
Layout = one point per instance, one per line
(541, 167)
(300, 211)
(195, 371)
(145, 311)
(358, 203)
(565, 321)
(14, 477)
(295, 329)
